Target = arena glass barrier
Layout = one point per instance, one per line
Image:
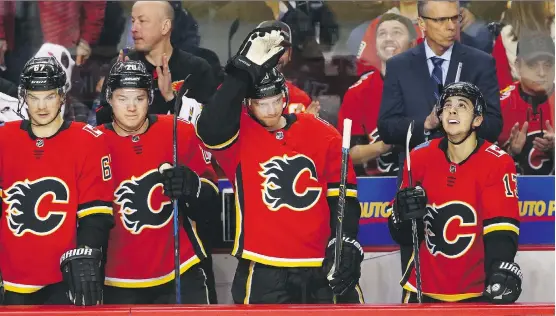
(289, 310)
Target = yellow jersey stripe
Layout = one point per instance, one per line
(500, 227)
(94, 210)
(142, 283)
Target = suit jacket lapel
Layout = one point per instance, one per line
(421, 73)
(457, 57)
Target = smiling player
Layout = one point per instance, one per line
(469, 215)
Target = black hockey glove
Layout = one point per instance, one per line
(259, 52)
(349, 270)
(81, 271)
(504, 283)
(410, 203)
(180, 182)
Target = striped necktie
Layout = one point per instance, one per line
(437, 75)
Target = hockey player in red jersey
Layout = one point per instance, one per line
(528, 108)
(140, 268)
(298, 101)
(371, 156)
(286, 185)
(56, 185)
(465, 201)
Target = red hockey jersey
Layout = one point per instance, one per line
(361, 104)
(140, 248)
(297, 98)
(281, 182)
(466, 201)
(47, 185)
(515, 109)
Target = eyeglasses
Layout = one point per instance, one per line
(441, 20)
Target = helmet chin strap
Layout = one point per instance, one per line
(471, 130)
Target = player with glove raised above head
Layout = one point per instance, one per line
(56, 183)
(141, 250)
(465, 202)
(286, 185)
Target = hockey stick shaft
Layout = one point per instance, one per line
(177, 107)
(231, 33)
(414, 235)
(346, 137)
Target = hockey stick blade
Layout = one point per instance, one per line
(346, 138)
(233, 29)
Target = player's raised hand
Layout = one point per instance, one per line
(165, 80)
(432, 121)
(260, 51)
(546, 142)
(517, 138)
(313, 108)
(122, 57)
(180, 182)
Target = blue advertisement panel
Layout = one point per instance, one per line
(536, 205)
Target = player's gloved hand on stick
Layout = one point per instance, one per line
(504, 283)
(410, 203)
(81, 272)
(349, 270)
(180, 182)
(259, 52)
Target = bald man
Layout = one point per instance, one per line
(152, 23)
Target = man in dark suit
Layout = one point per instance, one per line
(414, 79)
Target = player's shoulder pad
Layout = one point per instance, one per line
(363, 78)
(88, 129)
(506, 92)
(422, 145)
(495, 152)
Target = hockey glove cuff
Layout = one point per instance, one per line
(504, 283)
(81, 272)
(180, 182)
(258, 53)
(410, 203)
(348, 273)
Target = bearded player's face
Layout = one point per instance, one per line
(130, 107)
(268, 110)
(43, 106)
(457, 117)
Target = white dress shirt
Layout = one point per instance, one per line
(445, 65)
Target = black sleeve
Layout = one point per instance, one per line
(403, 234)
(352, 214)
(93, 230)
(392, 122)
(204, 207)
(487, 82)
(8, 87)
(219, 120)
(499, 246)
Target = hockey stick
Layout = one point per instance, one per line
(177, 106)
(231, 33)
(416, 259)
(346, 137)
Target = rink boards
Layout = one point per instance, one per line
(536, 196)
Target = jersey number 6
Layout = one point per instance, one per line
(106, 170)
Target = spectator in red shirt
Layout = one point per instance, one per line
(371, 156)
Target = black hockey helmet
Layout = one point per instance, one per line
(129, 74)
(43, 74)
(466, 90)
(273, 83)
